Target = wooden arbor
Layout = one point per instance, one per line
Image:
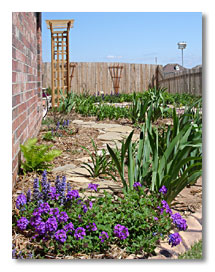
(116, 72)
(60, 67)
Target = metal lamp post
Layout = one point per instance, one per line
(182, 46)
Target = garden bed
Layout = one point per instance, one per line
(72, 134)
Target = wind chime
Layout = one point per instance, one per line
(60, 66)
(116, 74)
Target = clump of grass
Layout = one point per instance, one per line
(195, 252)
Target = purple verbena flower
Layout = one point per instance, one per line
(35, 220)
(163, 190)
(60, 236)
(180, 222)
(155, 218)
(37, 211)
(72, 195)
(137, 185)
(41, 228)
(22, 223)
(93, 186)
(91, 227)
(103, 236)
(21, 201)
(51, 224)
(174, 239)
(69, 227)
(62, 217)
(88, 205)
(44, 207)
(121, 232)
(79, 233)
(165, 207)
(54, 211)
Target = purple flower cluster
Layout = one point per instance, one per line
(69, 227)
(22, 223)
(88, 205)
(93, 186)
(165, 207)
(174, 239)
(137, 185)
(21, 201)
(103, 236)
(121, 232)
(71, 195)
(60, 236)
(51, 224)
(91, 227)
(180, 222)
(62, 217)
(163, 190)
(79, 233)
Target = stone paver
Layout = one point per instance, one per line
(64, 168)
(110, 135)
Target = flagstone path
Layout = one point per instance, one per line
(112, 134)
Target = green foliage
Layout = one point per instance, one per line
(172, 158)
(67, 102)
(37, 157)
(195, 252)
(48, 136)
(101, 164)
(136, 211)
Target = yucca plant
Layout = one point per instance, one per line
(101, 164)
(37, 157)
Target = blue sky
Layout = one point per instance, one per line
(132, 37)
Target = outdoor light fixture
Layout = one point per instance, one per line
(182, 46)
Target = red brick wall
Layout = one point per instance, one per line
(26, 81)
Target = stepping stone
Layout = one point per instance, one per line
(77, 122)
(79, 180)
(191, 237)
(77, 172)
(110, 136)
(106, 126)
(122, 129)
(64, 168)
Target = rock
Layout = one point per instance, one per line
(121, 129)
(79, 171)
(77, 122)
(79, 180)
(110, 136)
(64, 168)
(191, 237)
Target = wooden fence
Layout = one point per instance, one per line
(187, 81)
(92, 77)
